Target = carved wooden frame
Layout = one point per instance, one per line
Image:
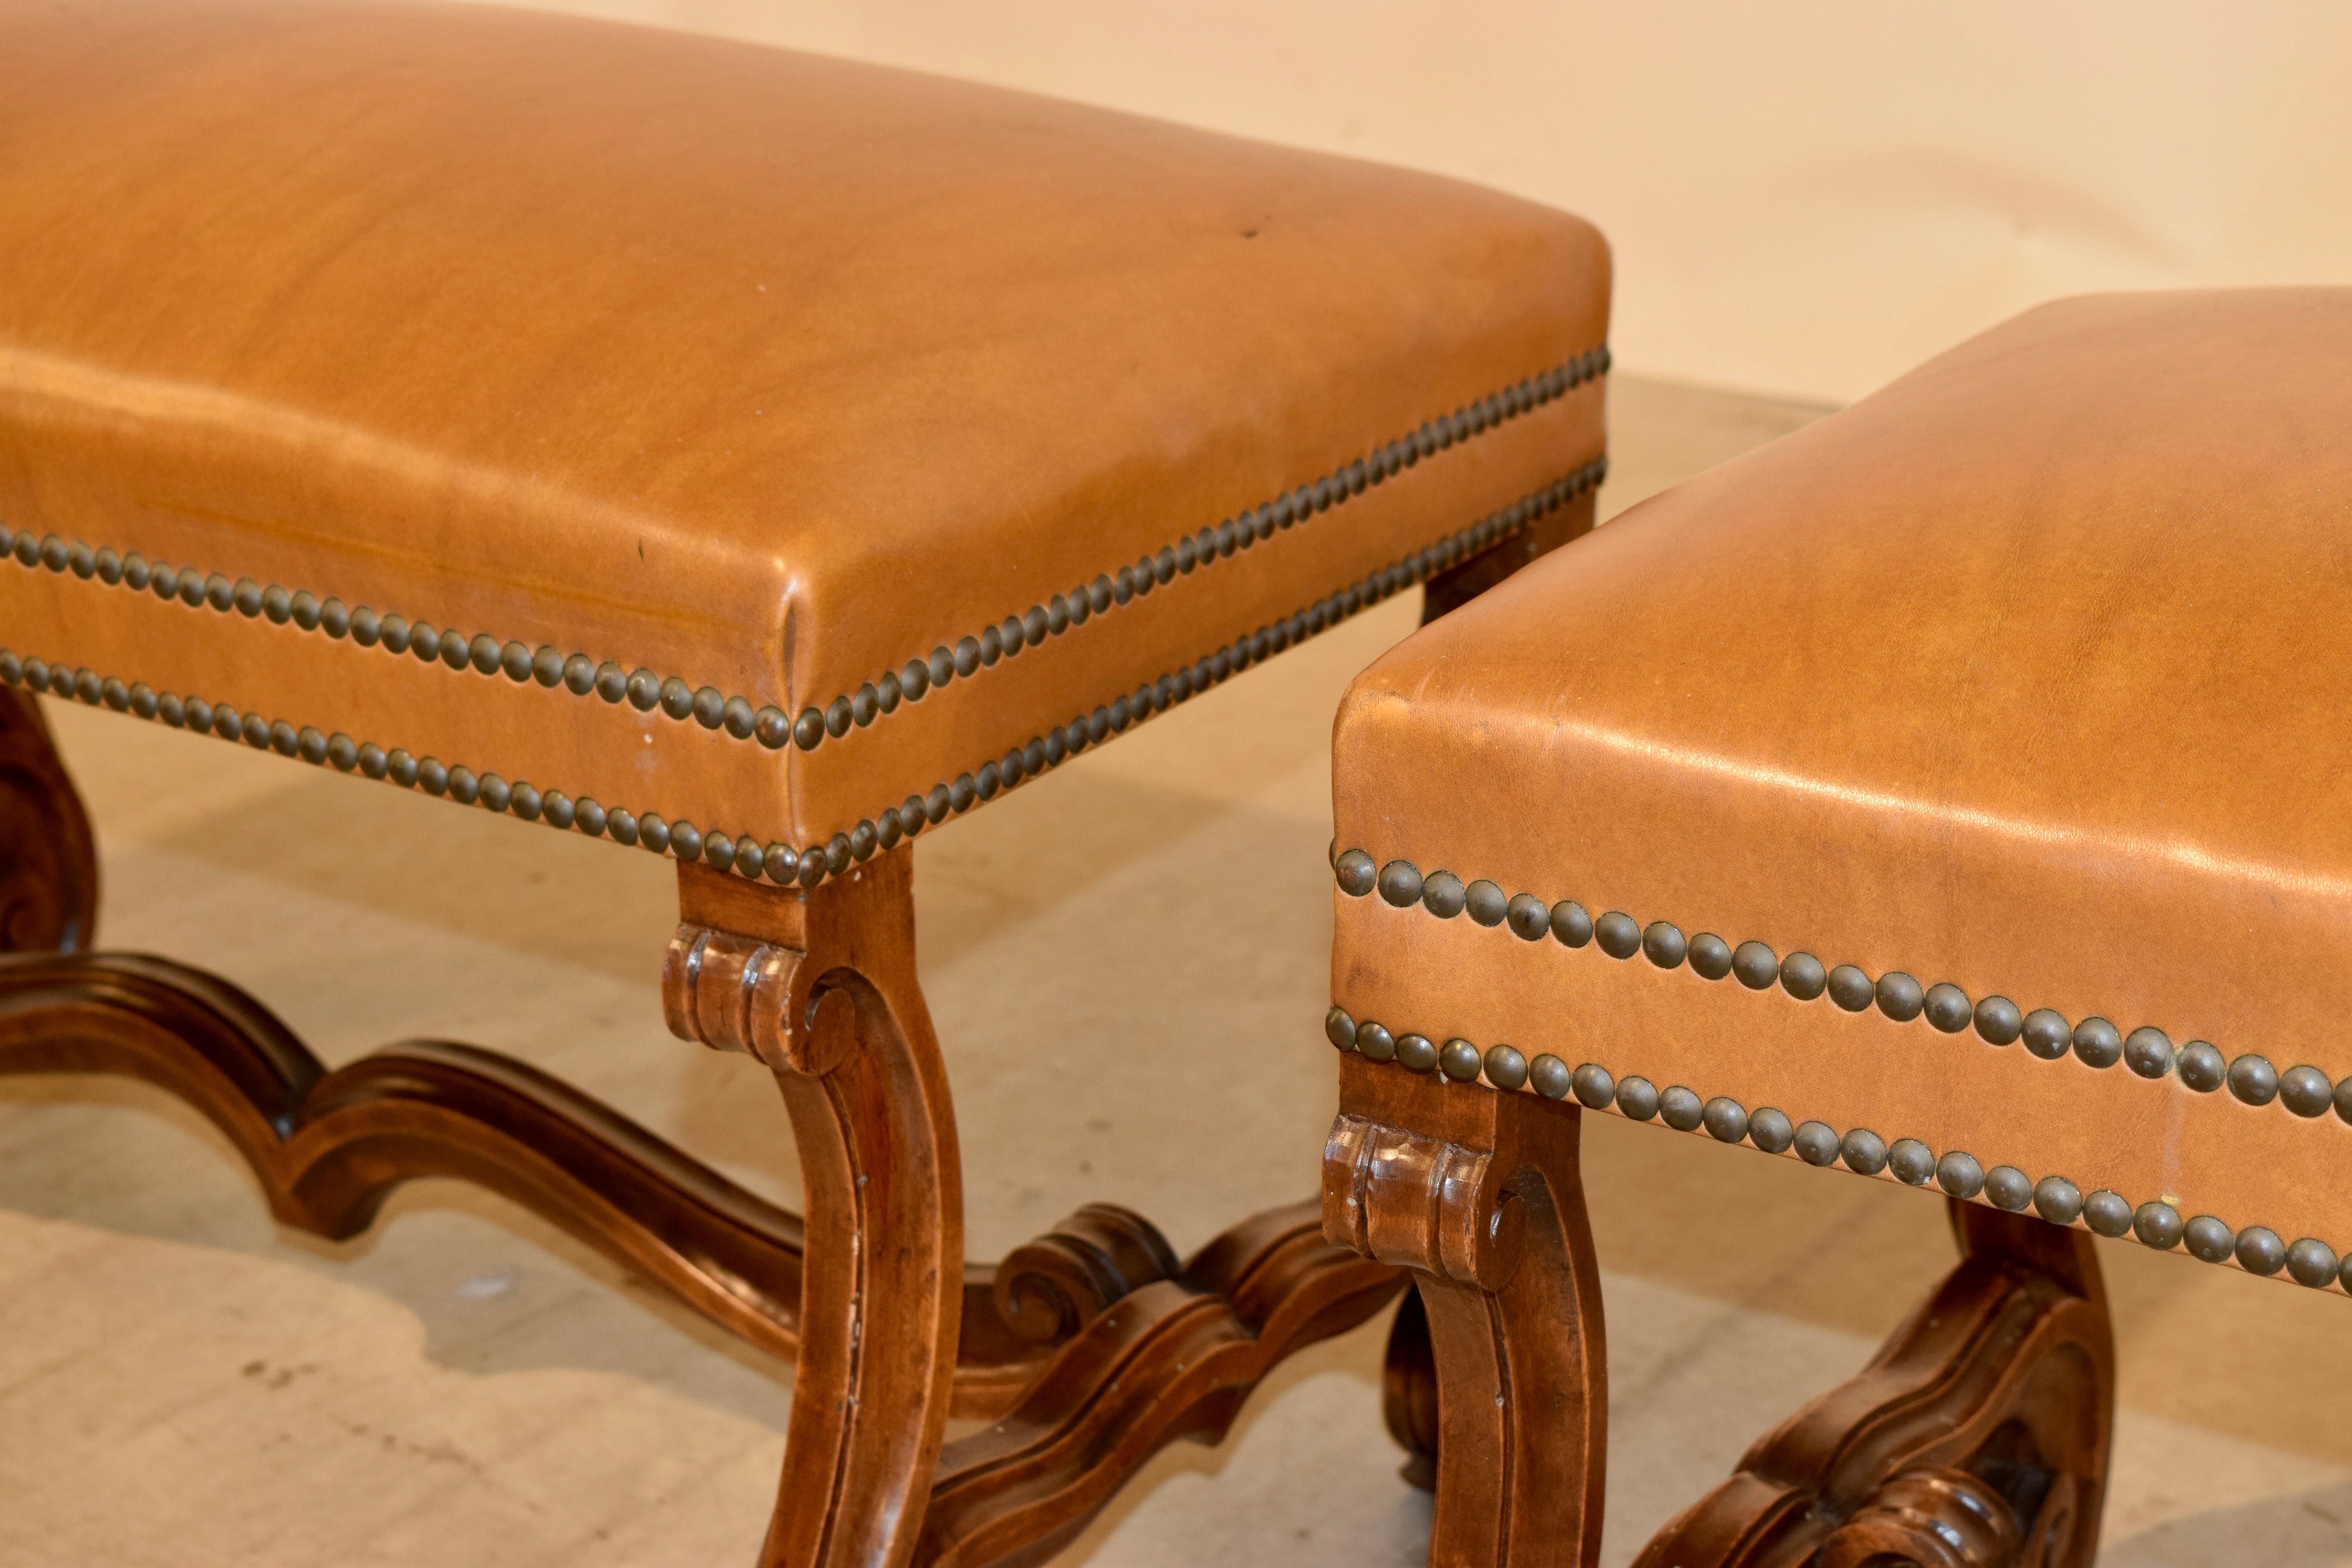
(1089, 1348)
(1086, 1350)
(1977, 1437)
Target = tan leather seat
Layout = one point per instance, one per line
(1952, 791)
(772, 451)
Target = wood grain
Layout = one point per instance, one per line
(1409, 1392)
(48, 864)
(1978, 1437)
(882, 1274)
(1479, 1193)
(327, 1148)
(1989, 1411)
(1174, 1359)
(1094, 1345)
(1457, 586)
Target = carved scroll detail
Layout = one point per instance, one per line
(329, 1147)
(734, 994)
(1420, 1202)
(1479, 1192)
(1148, 1350)
(1172, 1360)
(737, 993)
(1933, 1517)
(1049, 1289)
(48, 864)
(1977, 1438)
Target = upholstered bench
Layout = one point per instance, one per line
(1944, 795)
(754, 459)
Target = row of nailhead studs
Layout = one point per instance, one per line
(1235, 533)
(2147, 1050)
(2257, 1248)
(456, 781)
(779, 862)
(577, 673)
(986, 781)
(713, 709)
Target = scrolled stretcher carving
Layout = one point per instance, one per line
(1977, 1438)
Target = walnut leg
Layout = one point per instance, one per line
(1978, 1437)
(1478, 1193)
(1457, 586)
(1091, 1347)
(821, 986)
(1173, 1359)
(48, 867)
(1409, 1392)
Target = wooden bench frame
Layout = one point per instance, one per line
(1086, 1350)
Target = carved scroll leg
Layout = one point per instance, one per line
(1409, 1392)
(1478, 1193)
(1457, 586)
(48, 863)
(880, 1289)
(1977, 1438)
(838, 1014)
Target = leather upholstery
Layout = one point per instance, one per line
(766, 372)
(2031, 674)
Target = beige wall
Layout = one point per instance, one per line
(1805, 196)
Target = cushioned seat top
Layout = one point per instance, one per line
(727, 434)
(2004, 713)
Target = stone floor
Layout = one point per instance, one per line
(1128, 963)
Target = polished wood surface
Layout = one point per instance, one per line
(1479, 1193)
(1457, 586)
(328, 1148)
(1978, 1437)
(1408, 1391)
(48, 865)
(1175, 1359)
(1050, 1287)
(1092, 1346)
(1128, 1363)
(820, 985)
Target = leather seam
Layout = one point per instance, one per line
(884, 831)
(580, 675)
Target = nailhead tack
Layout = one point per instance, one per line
(2157, 1223)
(2096, 1042)
(1912, 1162)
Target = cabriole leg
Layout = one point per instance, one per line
(1457, 586)
(48, 867)
(1477, 1192)
(821, 986)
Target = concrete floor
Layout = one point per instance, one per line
(181, 1383)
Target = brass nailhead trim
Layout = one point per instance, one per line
(1235, 533)
(985, 781)
(779, 862)
(338, 749)
(2147, 1050)
(644, 689)
(2156, 1223)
